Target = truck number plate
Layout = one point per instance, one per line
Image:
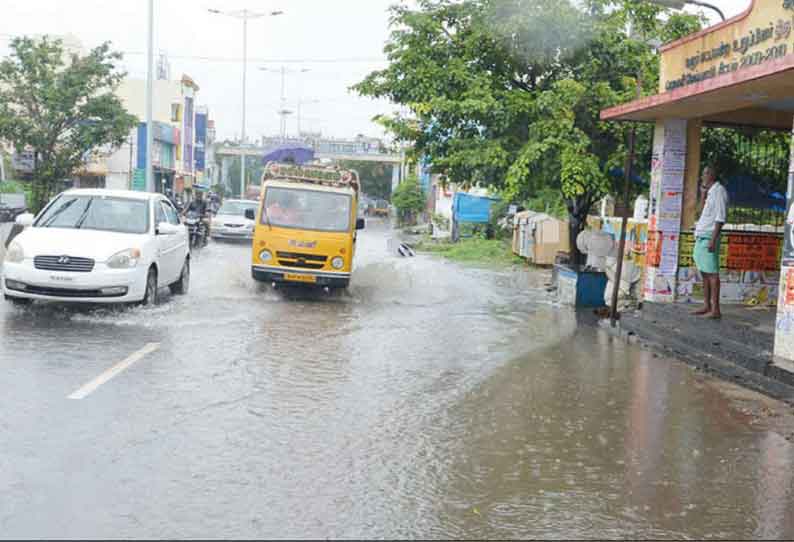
(295, 277)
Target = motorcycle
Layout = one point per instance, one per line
(197, 230)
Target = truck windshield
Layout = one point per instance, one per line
(307, 209)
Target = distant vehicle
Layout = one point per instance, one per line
(98, 246)
(306, 225)
(9, 213)
(231, 222)
(380, 208)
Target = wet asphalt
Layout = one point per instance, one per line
(431, 400)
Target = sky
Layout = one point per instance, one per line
(337, 41)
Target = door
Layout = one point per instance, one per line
(177, 244)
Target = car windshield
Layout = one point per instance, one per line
(236, 208)
(101, 213)
(307, 209)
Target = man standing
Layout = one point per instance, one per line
(707, 241)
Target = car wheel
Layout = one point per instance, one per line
(181, 286)
(150, 297)
(18, 301)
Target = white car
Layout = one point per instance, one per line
(98, 246)
(231, 223)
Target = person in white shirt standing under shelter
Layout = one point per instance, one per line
(707, 241)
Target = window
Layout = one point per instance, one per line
(120, 215)
(237, 208)
(170, 213)
(307, 209)
(159, 214)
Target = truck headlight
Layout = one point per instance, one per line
(15, 253)
(338, 262)
(265, 256)
(126, 259)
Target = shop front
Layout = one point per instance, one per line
(738, 75)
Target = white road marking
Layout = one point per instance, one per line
(120, 367)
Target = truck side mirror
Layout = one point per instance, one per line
(249, 214)
(360, 224)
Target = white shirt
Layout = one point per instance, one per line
(715, 210)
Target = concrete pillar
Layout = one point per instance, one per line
(225, 166)
(395, 176)
(692, 177)
(784, 328)
(665, 210)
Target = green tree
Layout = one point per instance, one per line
(508, 92)
(409, 199)
(253, 173)
(375, 177)
(60, 106)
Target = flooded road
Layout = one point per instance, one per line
(431, 401)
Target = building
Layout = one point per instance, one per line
(174, 151)
(736, 74)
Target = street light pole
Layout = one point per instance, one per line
(283, 111)
(242, 130)
(150, 100)
(244, 14)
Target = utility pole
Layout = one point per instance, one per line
(149, 100)
(300, 103)
(283, 111)
(244, 14)
(242, 130)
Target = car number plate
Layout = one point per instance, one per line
(61, 278)
(295, 277)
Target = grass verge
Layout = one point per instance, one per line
(473, 250)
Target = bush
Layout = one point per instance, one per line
(11, 187)
(441, 222)
(409, 197)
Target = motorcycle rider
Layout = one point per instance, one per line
(199, 206)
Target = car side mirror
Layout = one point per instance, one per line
(164, 228)
(249, 214)
(25, 220)
(360, 224)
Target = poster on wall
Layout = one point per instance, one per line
(675, 135)
(668, 259)
(674, 161)
(670, 212)
(789, 293)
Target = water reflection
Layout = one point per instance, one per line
(431, 400)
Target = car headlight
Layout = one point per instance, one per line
(126, 259)
(15, 253)
(338, 262)
(265, 256)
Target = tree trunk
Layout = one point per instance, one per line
(578, 209)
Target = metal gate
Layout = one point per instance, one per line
(753, 165)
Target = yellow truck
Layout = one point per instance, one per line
(306, 225)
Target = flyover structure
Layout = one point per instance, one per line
(357, 149)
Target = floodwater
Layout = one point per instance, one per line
(431, 400)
